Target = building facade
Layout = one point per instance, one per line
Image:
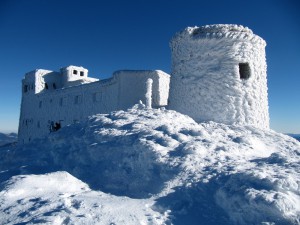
(51, 100)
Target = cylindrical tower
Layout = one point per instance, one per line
(219, 74)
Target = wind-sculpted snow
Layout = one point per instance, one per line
(178, 171)
(59, 198)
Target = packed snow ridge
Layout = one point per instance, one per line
(152, 166)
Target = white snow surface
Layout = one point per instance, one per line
(152, 166)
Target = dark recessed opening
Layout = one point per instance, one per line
(81, 73)
(75, 71)
(46, 85)
(244, 70)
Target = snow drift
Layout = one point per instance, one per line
(156, 166)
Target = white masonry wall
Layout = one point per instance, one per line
(206, 83)
(72, 104)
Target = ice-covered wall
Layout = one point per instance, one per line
(137, 79)
(219, 74)
(72, 103)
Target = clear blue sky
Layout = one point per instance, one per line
(104, 36)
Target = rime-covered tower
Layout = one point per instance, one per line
(219, 74)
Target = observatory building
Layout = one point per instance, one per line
(51, 100)
(218, 74)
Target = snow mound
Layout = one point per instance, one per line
(178, 171)
(59, 198)
(6, 139)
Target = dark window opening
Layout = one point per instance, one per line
(77, 99)
(244, 70)
(81, 73)
(25, 88)
(54, 86)
(46, 85)
(54, 126)
(97, 97)
(75, 71)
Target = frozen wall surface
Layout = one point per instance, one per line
(133, 83)
(219, 74)
(51, 99)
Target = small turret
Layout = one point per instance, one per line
(73, 73)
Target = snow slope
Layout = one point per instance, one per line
(296, 136)
(60, 198)
(8, 138)
(152, 166)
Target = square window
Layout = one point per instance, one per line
(244, 70)
(81, 73)
(75, 72)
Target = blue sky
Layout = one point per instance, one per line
(104, 36)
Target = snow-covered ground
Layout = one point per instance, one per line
(296, 136)
(8, 138)
(152, 166)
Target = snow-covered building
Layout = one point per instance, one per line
(218, 74)
(51, 100)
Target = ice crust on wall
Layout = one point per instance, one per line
(205, 80)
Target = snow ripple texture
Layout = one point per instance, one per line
(152, 166)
